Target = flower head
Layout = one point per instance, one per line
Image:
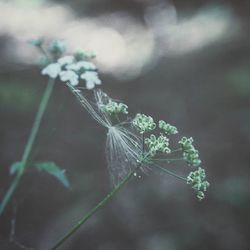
(197, 180)
(157, 144)
(144, 123)
(66, 60)
(190, 154)
(69, 76)
(167, 128)
(71, 68)
(113, 107)
(52, 70)
(91, 78)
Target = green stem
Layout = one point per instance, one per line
(176, 150)
(169, 160)
(171, 173)
(143, 144)
(29, 144)
(93, 211)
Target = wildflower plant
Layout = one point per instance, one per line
(132, 145)
(70, 70)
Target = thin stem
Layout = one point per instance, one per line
(29, 144)
(171, 173)
(43, 51)
(143, 144)
(169, 160)
(176, 150)
(93, 211)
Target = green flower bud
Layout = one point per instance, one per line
(190, 154)
(36, 42)
(144, 123)
(115, 108)
(159, 144)
(167, 128)
(197, 180)
(83, 55)
(57, 47)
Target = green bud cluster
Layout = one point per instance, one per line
(115, 108)
(167, 128)
(57, 47)
(36, 42)
(144, 123)
(160, 144)
(83, 55)
(198, 182)
(190, 154)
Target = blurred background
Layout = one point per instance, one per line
(187, 62)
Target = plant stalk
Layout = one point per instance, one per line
(93, 211)
(28, 147)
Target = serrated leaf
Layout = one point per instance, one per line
(53, 169)
(15, 167)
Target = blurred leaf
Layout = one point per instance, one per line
(17, 96)
(53, 169)
(15, 167)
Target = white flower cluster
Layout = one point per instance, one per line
(70, 70)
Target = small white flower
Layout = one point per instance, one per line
(69, 76)
(73, 66)
(52, 70)
(82, 64)
(91, 78)
(65, 60)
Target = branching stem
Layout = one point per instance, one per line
(93, 211)
(105, 200)
(170, 173)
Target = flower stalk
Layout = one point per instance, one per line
(93, 210)
(29, 145)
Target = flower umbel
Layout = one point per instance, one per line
(190, 154)
(167, 128)
(71, 68)
(113, 107)
(144, 123)
(160, 144)
(197, 180)
(91, 78)
(52, 70)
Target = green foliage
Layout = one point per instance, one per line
(53, 169)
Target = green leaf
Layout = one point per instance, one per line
(14, 168)
(53, 169)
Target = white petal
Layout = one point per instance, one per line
(69, 75)
(91, 78)
(90, 85)
(66, 60)
(52, 70)
(73, 66)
